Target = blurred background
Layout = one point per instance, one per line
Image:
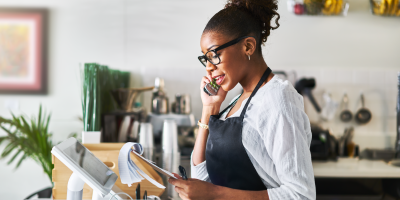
(352, 54)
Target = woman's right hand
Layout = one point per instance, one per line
(211, 106)
(211, 101)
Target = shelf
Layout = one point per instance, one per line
(390, 8)
(318, 7)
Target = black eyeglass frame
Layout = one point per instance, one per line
(230, 43)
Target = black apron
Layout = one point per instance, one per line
(227, 161)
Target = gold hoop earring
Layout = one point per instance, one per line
(249, 56)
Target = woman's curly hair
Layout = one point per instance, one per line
(246, 17)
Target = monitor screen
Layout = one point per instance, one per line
(87, 161)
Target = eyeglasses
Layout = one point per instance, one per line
(212, 55)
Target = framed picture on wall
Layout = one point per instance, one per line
(23, 56)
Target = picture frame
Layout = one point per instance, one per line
(23, 50)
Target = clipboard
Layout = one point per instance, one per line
(155, 167)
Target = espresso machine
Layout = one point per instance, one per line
(160, 109)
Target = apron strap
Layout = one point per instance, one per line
(263, 78)
(230, 105)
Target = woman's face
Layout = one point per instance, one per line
(233, 60)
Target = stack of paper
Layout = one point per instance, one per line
(129, 172)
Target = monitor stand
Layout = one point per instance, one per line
(75, 187)
(75, 190)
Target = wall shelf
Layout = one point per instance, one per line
(385, 7)
(318, 7)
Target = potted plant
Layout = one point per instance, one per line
(28, 138)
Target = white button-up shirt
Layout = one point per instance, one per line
(276, 135)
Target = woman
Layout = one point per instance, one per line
(257, 148)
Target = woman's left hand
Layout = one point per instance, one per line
(192, 189)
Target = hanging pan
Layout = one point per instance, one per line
(363, 115)
(345, 115)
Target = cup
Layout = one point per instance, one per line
(170, 154)
(146, 140)
(171, 162)
(170, 137)
(135, 130)
(123, 131)
(91, 137)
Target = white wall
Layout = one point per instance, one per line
(161, 38)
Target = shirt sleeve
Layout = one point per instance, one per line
(287, 141)
(199, 171)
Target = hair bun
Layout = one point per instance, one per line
(246, 18)
(237, 3)
(263, 10)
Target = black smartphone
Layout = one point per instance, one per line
(211, 88)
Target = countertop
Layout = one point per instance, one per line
(354, 168)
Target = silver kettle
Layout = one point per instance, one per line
(159, 101)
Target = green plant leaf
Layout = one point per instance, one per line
(47, 124)
(14, 118)
(14, 156)
(28, 137)
(9, 133)
(39, 120)
(2, 139)
(25, 128)
(20, 161)
(8, 149)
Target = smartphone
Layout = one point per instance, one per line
(211, 88)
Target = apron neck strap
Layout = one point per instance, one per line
(230, 105)
(263, 78)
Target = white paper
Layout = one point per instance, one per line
(155, 167)
(129, 172)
